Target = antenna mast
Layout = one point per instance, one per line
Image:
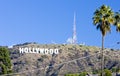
(74, 30)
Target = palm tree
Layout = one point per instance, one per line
(102, 19)
(117, 24)
(117, 21)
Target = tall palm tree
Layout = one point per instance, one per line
(102, 19)
(117, 24)
(117, 21)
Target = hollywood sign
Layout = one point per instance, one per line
(38, 50)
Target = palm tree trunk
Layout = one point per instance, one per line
(102, 59)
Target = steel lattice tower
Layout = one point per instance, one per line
(74, 39)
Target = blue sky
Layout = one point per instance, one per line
(46, 21)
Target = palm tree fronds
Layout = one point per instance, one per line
(117, 21)
(103, 18)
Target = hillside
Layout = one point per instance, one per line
(71, 59)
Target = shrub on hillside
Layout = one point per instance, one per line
(107, 73)
(77, 74)
(5, 61)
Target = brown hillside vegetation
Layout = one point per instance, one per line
(71, 59)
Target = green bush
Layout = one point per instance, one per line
(77, 74)
(3, 69)
(117, 69)
(114, 69)
(96, 72)
(107, 73)
(83, 74)
(5, 61)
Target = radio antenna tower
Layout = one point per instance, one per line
(74, 39)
